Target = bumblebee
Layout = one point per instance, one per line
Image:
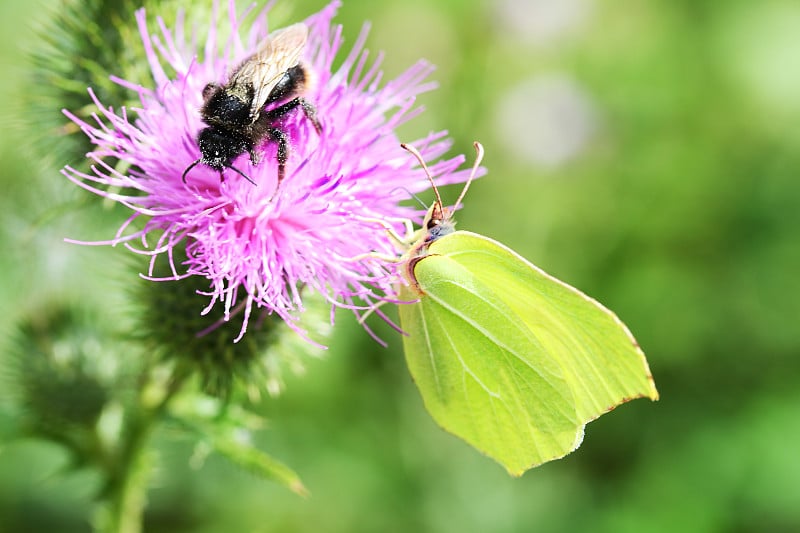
(235, 112)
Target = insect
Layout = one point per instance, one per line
(234, 112)
(505, 356)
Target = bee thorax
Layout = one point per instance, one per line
(225, 108)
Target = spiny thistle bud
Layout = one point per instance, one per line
(78, 45)
(170, 323)
(62, 373)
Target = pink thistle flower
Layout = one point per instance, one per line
(259, 246)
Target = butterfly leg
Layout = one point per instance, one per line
(378, 256)
(402, 240)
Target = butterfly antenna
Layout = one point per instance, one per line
(413, 151)
(410, 194)
(478, 158)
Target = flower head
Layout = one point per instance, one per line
(261, 246)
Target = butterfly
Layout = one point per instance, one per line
(507, 357)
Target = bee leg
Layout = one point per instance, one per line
(311, 113)
(294, 81)
(308, 110)
(255, 157)
(280, 111)
(283, 150)
(209, 89)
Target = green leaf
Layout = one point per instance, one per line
(508, 358)
(228, 429)
(242, 453)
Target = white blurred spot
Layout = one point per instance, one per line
(411, 32)
(542, 21)
(760, 49)
(546, 120)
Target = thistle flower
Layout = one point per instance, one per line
(260, 247)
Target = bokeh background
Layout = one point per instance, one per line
(647, 152)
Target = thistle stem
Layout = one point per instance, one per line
(125, 496)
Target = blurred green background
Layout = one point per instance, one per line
(646, 152)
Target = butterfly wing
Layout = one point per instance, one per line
(510, 359)
(601, 360)
(475, 365)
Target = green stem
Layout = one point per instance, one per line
(126, 489)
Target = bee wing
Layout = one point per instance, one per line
(277, 54)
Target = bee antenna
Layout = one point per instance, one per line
(413, 151)
(190, 167)
(478, 158)
(242, 174)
